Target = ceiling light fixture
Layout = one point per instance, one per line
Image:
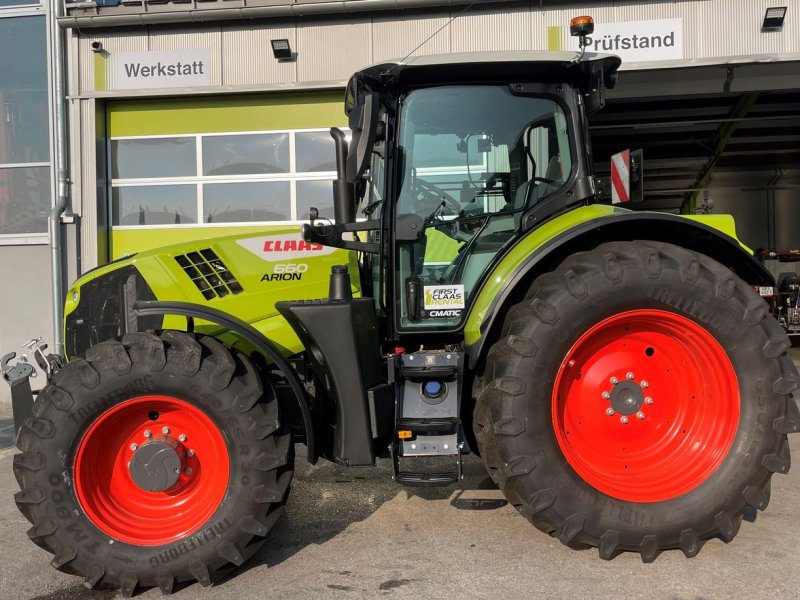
(773, 18)
(281, 49)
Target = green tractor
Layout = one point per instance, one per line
(616, 371)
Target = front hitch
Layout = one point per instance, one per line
(18, 377)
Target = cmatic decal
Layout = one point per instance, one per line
(432, 314)
(274, 248)
(444, 297)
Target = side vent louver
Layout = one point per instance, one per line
(209, 274)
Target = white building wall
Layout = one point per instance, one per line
(329, 49)
(25, 303)
(237, 66)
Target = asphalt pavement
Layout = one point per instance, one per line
(355, 534)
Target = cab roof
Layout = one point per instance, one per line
(490, 66)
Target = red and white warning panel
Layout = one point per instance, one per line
(621, 177)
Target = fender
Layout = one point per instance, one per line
(585, 228)
(252, 335)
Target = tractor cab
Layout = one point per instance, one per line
(452, 159)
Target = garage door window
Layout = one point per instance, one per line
(151, 158)
(154, 205)
(253, 154)
(232, 178)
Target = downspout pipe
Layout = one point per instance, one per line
(62, 177)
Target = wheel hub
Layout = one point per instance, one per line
(627, 397)
(157, 464)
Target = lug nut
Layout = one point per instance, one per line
(182, 437)
(629, 375)
(188, 470)
(648, 400)
(190, 453)
(623, 420)
(606, 395)
(644, 384)
(610, 411)
(614, 380)
(165, 431)
(134, 447)
(640, 415)
(147, 433)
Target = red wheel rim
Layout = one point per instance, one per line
(117, 505)
(686, 407)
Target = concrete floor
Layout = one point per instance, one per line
(355, 534)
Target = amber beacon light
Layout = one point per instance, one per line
(581, 26)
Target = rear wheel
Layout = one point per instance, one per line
(638, 400)
(157, 459)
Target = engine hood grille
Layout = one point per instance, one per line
(211, 276)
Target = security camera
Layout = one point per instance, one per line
(97, 46)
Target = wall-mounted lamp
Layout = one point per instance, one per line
(281, 49)
(97, 46)
(773, 19)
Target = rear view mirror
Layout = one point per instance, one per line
(363, 122)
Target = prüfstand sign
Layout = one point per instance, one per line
(637, 41)
(161, 69)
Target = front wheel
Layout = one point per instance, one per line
(638, 399)
(158, 459)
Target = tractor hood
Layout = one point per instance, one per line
(243, 275)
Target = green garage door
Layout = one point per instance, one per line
(193, 168)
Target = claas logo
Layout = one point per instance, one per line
(290, 246)
(279, 248)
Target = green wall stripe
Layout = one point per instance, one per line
(100, 69)
(554, 37)
(302, 110)
(130, 241)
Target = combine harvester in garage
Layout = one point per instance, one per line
(625, 386)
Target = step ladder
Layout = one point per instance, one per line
(434, 438)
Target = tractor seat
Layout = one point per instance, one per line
(530, 192)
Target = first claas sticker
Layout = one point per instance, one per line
(444, 297)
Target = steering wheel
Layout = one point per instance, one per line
(430, 197)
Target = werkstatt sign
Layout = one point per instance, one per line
(160, 69)
(637, 41)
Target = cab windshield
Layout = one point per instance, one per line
(472, 160)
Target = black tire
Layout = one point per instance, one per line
(513, 416)
(199, 370)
